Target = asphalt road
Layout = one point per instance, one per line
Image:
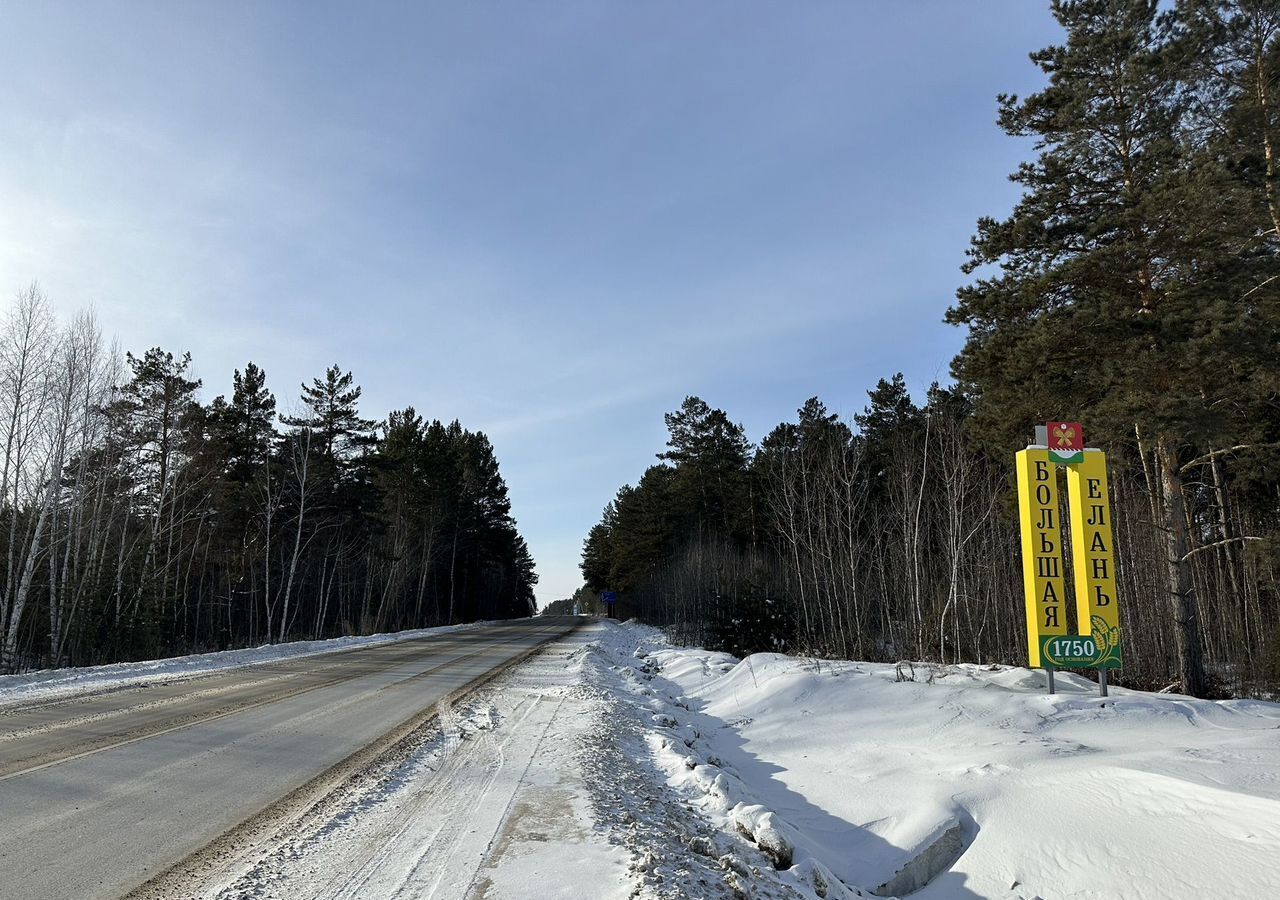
(100, 793)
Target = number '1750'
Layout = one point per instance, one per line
(1073, 647)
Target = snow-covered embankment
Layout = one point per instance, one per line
(846, 781)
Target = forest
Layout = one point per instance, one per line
(139, 522)
(1133, 287)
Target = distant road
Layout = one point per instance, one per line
(99, 794)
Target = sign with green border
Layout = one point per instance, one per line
(1081, 651)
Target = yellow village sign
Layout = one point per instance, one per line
(1097, 641)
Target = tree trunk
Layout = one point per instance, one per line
(302, 475)
(1186, 620)
(8, 659)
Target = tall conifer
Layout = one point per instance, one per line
(1129, 283)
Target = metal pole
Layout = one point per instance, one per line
(1049, 669)
(1102, 682)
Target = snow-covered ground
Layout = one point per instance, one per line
(50, 684)
(975, 785)
(613, 765)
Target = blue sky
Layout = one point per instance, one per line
(550, 220)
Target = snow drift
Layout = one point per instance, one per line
(852, 783)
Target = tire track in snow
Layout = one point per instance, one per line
(406, 817)
(450, 817)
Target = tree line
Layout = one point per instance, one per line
(138, 521)
(1134, 286)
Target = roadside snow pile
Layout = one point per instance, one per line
(48, 684)
(836, 780)
(677, 851)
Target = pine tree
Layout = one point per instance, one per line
(162, 424)
(597, 552)
(888, 422)
(645, 529)
(333, 416)
(1233, 50)
(249, 421)
(157, 405)
(1130, 287)
(710, 453)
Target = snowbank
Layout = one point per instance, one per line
(48, 684)
(851, 783)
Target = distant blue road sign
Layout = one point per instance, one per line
(609, 596)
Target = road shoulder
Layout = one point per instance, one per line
(493, 796)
